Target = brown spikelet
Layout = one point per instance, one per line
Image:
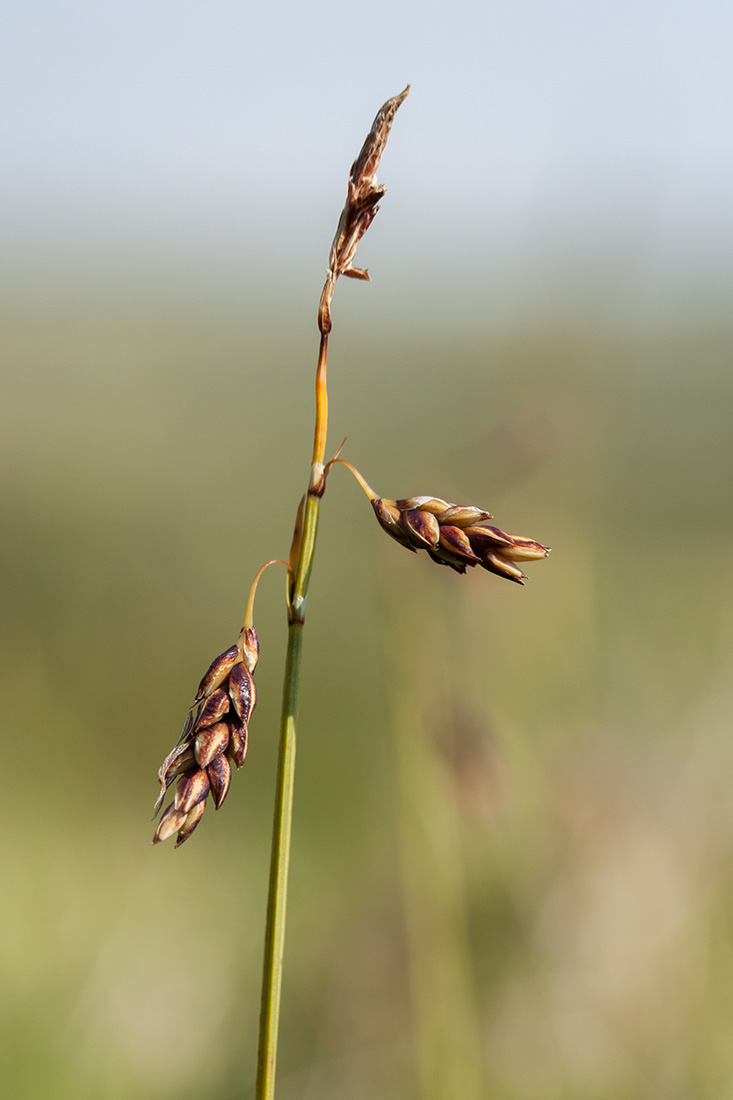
(421, 528)
(215, 731)
(242, 692)
(217, 672)
(191, 788)
(171, 821)
(190, 822)
(389, 516)
(462, 516)
(213, 709)
(237, 748)
(456, 536)
(250, 645)
(219, 772)
(455, 541)
(210, 743)
(179, 760)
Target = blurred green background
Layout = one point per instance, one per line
(513, 827)
(513, 833)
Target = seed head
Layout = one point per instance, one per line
(214, 733)
(456, 535)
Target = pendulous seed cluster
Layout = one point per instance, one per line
(215, 733)
(456, 535)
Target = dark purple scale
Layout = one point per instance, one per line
(213, 709)
(217, 672)
(242, 691)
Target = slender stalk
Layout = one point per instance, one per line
(249, 613)
(361, 207)
(279, 864)
(281, 831)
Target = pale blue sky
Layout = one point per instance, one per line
(539, 136)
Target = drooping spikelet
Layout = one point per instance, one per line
(214, 734)
(456, 535)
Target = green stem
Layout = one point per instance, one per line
(277, 897)
(280, 855)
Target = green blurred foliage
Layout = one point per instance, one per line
(513, 832)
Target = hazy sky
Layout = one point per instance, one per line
(536, 131)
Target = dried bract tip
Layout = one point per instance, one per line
(362, 198)
(364, 169)
(215, 730)
(455, 535)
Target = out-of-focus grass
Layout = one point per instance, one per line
(579, 727)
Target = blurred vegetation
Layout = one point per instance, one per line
(513, 828)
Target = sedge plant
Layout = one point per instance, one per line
(216, 731)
